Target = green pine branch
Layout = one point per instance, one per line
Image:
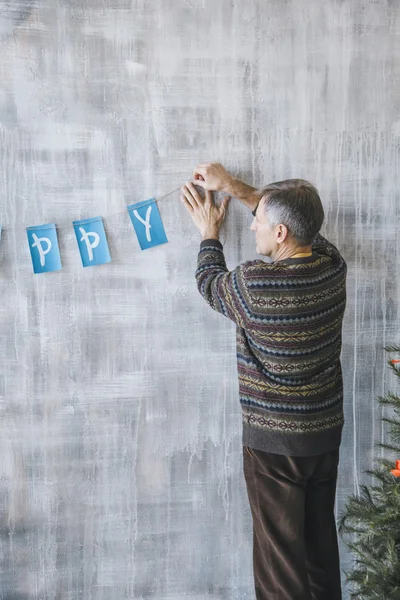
(370, 521)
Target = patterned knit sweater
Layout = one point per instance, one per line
(289, 317)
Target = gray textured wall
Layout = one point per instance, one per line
(120, 427)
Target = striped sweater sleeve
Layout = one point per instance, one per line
(218, 286)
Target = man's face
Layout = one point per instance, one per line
(266, 243)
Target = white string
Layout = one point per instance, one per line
(122, 212)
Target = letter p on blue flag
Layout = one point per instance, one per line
(43, 246)
(147, 222)
(92, 241)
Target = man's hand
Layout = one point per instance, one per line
(212, 176)
(206, 215)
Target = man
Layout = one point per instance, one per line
(288, 314)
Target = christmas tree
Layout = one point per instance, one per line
(372, 519)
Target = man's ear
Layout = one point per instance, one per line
(282, 233)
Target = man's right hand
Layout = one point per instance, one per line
(213, 176)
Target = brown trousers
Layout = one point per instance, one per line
(295, 545)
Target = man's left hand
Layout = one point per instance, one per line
(206, 215)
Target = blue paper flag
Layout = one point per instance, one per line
(43, 245)
(147, 222)
(92, 241)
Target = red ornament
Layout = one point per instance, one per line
(396, 471)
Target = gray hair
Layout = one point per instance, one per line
(296, 204)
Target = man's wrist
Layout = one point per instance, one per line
(247, 194)
(210, 234)
(229, 185)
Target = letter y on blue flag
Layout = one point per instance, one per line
(147, 222)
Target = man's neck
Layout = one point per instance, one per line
(284, 253)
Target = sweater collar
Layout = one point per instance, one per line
(298, 259)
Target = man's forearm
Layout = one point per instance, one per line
(245, 193)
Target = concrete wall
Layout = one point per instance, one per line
(120, 426)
